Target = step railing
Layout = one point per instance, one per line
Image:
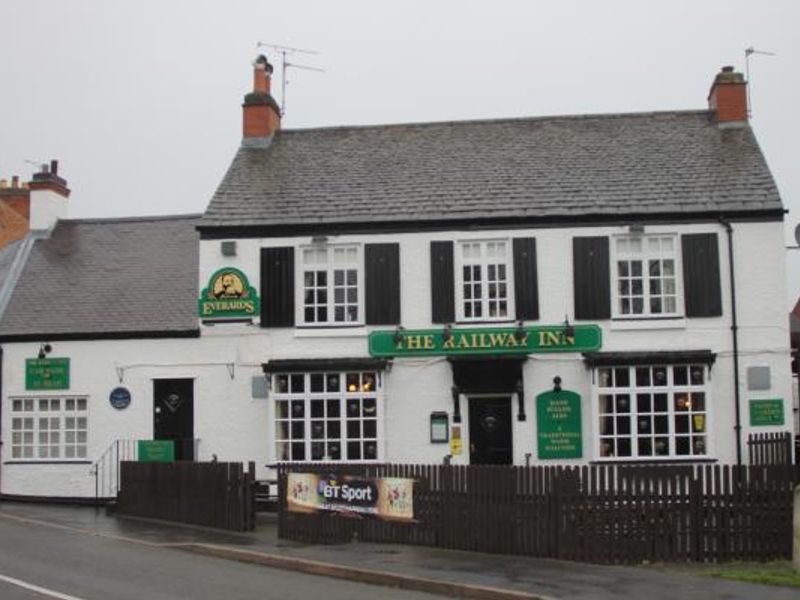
(106, 469)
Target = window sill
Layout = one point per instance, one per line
(328, 331)
(486, 322)
(646, 323)
(47, 462)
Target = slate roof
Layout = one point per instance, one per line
(108, 278)
(537, 168)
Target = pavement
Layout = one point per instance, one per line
(444, 572)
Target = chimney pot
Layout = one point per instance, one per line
(15, 181)
(54, 167)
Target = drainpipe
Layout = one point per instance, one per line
(1, 419)
(735, 335)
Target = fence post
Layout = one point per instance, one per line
(796, 549)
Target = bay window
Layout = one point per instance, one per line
(330, 416)
(652, 411)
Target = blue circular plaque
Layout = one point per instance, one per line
(120, 397)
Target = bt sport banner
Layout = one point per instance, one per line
(389, 498)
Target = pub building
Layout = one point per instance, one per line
(552, 290)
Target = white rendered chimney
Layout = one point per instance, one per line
(49, 194)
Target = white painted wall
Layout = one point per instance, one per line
(233, 426)
(47, 207)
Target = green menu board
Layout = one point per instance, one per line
(156, 451)
(764, 413)
(558, 425)
(47, 374)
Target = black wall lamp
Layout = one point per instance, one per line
(447, 333)
(398, 335)
(520, 333)
(569, 330)
(44, 350)
(556, 383)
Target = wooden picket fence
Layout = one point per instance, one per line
(211, 494)
(613, 514)
(770, 448)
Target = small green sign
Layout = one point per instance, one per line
(558, 424)
(228, 295)
(473, 341)
(156, 450)
(47, 374)
(764, 413)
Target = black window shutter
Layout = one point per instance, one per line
(442, 284)
(277, 287)
(591, 272)
(526, 290)
(701, 285)
(382, 287)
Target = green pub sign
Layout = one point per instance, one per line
(473, 341)
(764, 413)
(47, 374)
(156, 450)
(229, 295)
(558, 424)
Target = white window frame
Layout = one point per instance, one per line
(330, 266)
(645, 256)
(368, 387)
(37, 428)
(484, 262)
(676, 394)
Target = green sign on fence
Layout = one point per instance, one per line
(156, 450)
(764, 413)
(558, 424)
(47, 374)
(502, 340)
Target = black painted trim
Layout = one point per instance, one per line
(99, 335)
(382, 283)
(669, 357)
(324, 364)
(443, 299)
(526, 279)
(277, 230)
(80, 500)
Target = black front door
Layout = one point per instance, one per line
(490, 440)
(173, 414)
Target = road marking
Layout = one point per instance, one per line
(38, 589)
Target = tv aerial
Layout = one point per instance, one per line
(747, 53)
(286, 51)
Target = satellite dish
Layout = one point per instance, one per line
(797, 234)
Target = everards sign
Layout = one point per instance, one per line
(228, 295)
(505, 340)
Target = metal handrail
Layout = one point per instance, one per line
(106, 469)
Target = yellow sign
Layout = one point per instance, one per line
(455, 441)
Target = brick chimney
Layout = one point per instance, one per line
(49, 194)
(727, 99)
(261, 113)
(15, 206)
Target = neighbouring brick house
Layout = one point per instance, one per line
(552, 290)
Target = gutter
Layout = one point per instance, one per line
(735, 336)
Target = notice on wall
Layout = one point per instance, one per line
(558, 424)
(47, 374)
(764, 413)
(389, 498)
(156, 450)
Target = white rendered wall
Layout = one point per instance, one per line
(232, 425)
(47, 207)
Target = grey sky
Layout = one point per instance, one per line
(140, 100)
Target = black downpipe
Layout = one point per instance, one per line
(1, 419)
(735, 334)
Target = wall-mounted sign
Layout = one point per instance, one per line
(764, 413)
(456, 444)
(228, 295)
(156, 450)
(439, 428)
(558, 425)
(504, 340)
(388, 498)
(47, 374)
(120, 398)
